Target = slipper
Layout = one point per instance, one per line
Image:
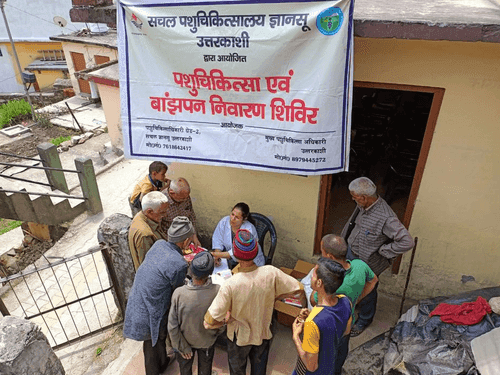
(357, 330)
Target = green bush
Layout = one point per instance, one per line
(11, 109)
(57, 141)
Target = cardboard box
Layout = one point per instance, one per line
(287, 313)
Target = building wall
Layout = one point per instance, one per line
(290, 201)
(8, 82)
(110, 99)
(46, 78)
(27, 52)
(455, 217)
(33, 20)
(88, 51)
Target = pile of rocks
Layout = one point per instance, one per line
(78, 140)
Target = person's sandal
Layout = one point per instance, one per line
(356, 330)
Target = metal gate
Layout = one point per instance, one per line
(70, 298)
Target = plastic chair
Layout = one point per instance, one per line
(264, 226)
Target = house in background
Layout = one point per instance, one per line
(425, 122)
(84, 51)
(31, 23)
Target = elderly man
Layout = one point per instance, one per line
(178, 194)
(145, 228)
(154, 181)
(358, 282)
(375, 235)
(249, 297)
(325, 325)
(162, 271)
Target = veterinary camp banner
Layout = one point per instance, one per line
(252, 84)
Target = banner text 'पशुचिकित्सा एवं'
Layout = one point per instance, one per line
(256, 85)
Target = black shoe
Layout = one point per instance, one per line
(357, 330)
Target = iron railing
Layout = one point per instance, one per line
(70, 289)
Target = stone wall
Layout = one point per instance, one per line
(113, 232)
(24, 349)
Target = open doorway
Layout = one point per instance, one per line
(391, 133)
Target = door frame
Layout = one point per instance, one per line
(324, 197)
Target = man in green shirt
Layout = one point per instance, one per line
(359, 280)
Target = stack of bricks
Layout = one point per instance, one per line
(94, 11)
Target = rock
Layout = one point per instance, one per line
(66, 145)
(495, 304)
(75, 139)
(88, 135)
(118, 151)
(27, 240)
(113, 232)
(24, 349)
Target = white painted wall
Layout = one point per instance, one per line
(8, 81)
(32, 20)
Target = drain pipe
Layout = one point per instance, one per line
(17, 58)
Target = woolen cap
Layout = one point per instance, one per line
(244, 245)
(202, 264)
(180, 229)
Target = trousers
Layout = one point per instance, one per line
(367, 306)
(205, 358)
(237, 357)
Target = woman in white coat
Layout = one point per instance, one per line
(222, 239)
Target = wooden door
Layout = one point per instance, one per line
(79, 64)
(100, 59)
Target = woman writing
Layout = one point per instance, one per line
(223, 236)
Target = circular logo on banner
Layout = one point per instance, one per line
(329, 21)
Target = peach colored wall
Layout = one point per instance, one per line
(89, 51)
(456, 214)
(110, 99)
(291, 202)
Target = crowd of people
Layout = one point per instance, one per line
(174, 305)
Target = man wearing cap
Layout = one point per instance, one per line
(185, 321)
(161, 272)
(145, 227)
(249, 296)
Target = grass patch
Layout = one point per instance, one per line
(12, 109)
(7, 225)
(57, 141)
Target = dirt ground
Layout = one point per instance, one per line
(29, 252)
(27, 146)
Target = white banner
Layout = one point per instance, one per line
(261, 85)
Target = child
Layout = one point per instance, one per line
(154, 181)
(185, 321)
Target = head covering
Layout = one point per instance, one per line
(244, 245)
(202, 264)
(180, 229)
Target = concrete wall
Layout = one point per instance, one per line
(110, 99)
(28, 20)
(89, 51)
(8, 82)
(455, 216)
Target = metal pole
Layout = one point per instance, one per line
(17, 58)
(408, 276)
